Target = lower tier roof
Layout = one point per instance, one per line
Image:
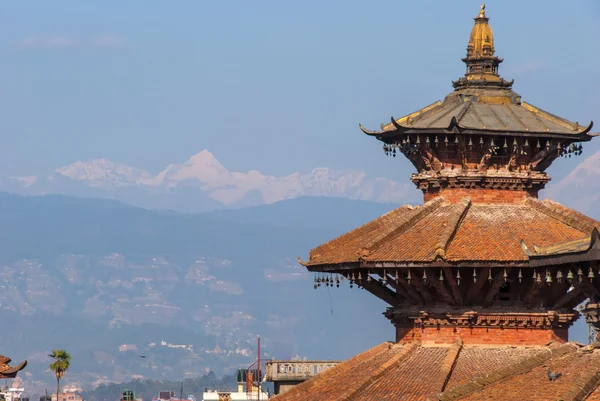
(457, 233)
(455, 372)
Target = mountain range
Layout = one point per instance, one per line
(108, 282)
(202, 183)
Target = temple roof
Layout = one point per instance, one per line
(498, 111)
(441, 232)
(7, 371)
(483, 101)
(458, 372)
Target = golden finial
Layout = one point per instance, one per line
(482, 11)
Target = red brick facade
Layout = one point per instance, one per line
(481, 195)
(481, 335)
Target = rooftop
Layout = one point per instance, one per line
(458, 372)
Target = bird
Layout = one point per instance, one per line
(142, 356)
(552, 375)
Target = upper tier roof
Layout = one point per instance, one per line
(484, 110)
(457, 233)
(483, 101)
(412, 372)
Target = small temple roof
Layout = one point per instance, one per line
(470, 113)
(457, 233)
(8, 372)
(483, 101)
(458, 372)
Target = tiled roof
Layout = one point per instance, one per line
(456, 233)
(471, 111)
(457, 372)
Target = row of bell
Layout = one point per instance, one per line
(573, 148)
(335, 279)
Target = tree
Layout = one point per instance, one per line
(62, 361)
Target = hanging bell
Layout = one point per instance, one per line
(538, 279)
(418, 140)
(492, 144)
(424, 275)
(526, 143)
(490, 275)
(591, 274)
(559, 276)
(384, 281)
(570, 275)
(534, 274)
(474, 276)
(481, 140)
(446, 140)
(368, 276)
(520, 276)
(547, 144)
(397, 277)
(470, 142)
(548, 278)
(408, 277)
(505, 144)
(539, 145)
(505, 275)
(579, 274)
(436, 141)
(456, 139)
(315, 285)
(458, 277)
(427, 141)
(441, 275)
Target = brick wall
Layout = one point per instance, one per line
(482, 335)
(482, 195)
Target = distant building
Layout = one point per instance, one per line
(67, 396)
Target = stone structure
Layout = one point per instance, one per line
(482, 279)
(287, 374)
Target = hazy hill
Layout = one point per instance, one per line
(108, 282)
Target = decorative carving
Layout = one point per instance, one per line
(485, 319)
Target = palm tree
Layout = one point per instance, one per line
(62, 361)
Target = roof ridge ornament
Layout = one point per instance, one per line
(482, 11)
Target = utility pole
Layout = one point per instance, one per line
(181, 392)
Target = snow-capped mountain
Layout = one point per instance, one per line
(203, 183)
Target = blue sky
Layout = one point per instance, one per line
(268, 85)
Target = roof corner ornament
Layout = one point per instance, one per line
(301, 262)
(526, 250)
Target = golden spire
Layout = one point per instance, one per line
(482, 64)
(481, 42)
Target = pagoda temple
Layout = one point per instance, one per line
(483, 278)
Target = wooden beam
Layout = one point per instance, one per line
(400, 291)
(497, 283)
(453, 285)
(532, 291)
(381, 292)
(411, 290)
(567, 298)
(418, 283)
(440, 287)
(476, 287)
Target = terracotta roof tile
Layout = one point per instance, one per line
(394, 372)
(485, 359)
(535, 385)
(461, 232)
(412, 380)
